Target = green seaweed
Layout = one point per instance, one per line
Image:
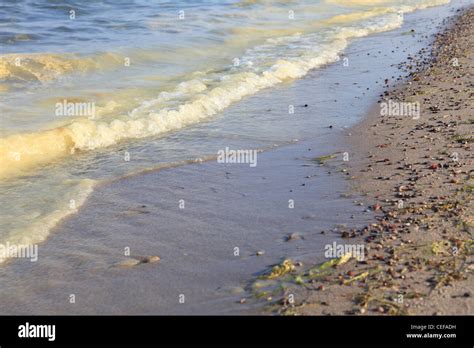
(325, 268)
(279, 270)
(463, 138)
(323, 159)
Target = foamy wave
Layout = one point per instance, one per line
(47, 67)
(356, 16)
(20, 152)
(426, 4)
(407, 5)
(352, 3)
(38, 231)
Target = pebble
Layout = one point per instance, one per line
(152, 259)
(128, 263)
(292, 237)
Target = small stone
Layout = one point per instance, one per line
(152, 259)
(293, 236)
(128, 263)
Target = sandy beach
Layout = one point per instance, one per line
(175, 232)
(415, 172)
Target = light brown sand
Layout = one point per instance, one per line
(420, 255)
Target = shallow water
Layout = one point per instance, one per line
(196, 246)
(148, 69)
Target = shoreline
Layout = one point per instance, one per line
(416, 176)
(226, 206)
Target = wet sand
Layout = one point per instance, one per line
(419, 253)
(225, 206)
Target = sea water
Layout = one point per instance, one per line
(158, 76)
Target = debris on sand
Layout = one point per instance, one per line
(280, 269)
(133, 261)
(419, 250)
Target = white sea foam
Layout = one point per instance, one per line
(203, 102)
(199, 99)
(38, 230)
